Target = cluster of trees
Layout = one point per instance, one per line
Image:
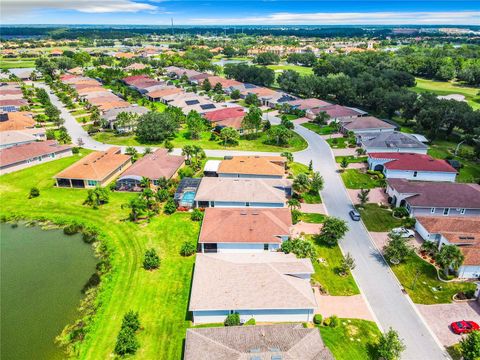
(252, 74)
(267, 58)
(157, 127)
(127, 342)
(303, 59)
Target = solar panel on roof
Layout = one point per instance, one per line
(207, 106)
(277, 357)
(191, 102)
(8, 108)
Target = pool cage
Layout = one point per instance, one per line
(185, 193)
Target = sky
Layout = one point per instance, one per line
(246, 12)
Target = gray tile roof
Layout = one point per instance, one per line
(391, 140)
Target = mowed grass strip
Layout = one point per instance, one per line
(160, 297)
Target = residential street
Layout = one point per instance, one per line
(391, 307)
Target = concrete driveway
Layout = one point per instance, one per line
(376, 195)
(439, 317)
(353, 307)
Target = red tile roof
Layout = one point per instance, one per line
(412, 161)
(130, 79)
(20, 153)
(224, 114)
(335, 111)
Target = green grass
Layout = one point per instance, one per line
(378, 219)
(320, 130)
(427, 280)
(298, 168)
(297, 143)
(160, 297)
(351, 159)
(343, 340)
(338, 143)
(441, 149)
(312, 197)
(455, 352)
(312, 218)
(302, 70)
(17, 63)
(355, 179)
(447, 88)
(327, 273)
(79, 112)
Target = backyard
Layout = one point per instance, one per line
(427, 289)
(160, 297)
(297, 143)
(377, 218)
(353, 339)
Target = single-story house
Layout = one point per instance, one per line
(154, 166)
(392, 141)
(227, 117)
(335, 112)
(11, 138)
(365, 124)
(98, 168)
(266, 286)
(158, 95)
(18, 120)
(431, 198)
(236, 230)
(276, 99)
(265, 167)
(232, 192)
(461, 231)
(111, 115)
(411, 166)
(272, 342)
(306, 104)
(23, 156)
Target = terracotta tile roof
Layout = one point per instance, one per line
(113, 105)
(224, 82)
(438, 194)
(225, 281)
(413, 161)
(225, 114)
(132, 78)
(97, 165)
(136, 66)
(287, 341)
(304, 104)
(13, 102)
(124, 55)
(17, 121)
(24, 152)
(221, 225)
(90, 89)
(155, 166)
(461, 231)
(260, 91)
(253, 165)
(164, 92)
(336, 111)
(366, 122)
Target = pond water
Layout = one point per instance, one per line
(41, 277)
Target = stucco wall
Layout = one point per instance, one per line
(25, 164)
(278, 315)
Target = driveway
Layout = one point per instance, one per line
(376, 195)
(312, 208)
(353, 307)
(305, 228)
(439, 318)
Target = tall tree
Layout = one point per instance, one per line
(448, 257)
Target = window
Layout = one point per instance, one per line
(265, 247)
(462, 211)
(92, 183)
(415, 173)
(446, 211)
(432, 211)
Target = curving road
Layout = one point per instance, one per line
(380, 287)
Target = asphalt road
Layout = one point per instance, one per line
(391, 307)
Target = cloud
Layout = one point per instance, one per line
(352, 18)
(21, 7)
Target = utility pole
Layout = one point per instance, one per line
(173, 32)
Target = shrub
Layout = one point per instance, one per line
(197, 215)
(187, 249)
(34, 192)
(169, 207)
(250, 322)
(151, 260)
(326, 322)
(72, 229)
(162, 195)
(301, 248)
(89, 235)
(75, 150)
(296, 216)
(186, 171)
(131, 320)
(400, 212)
(127, 342)
(317, 319)
(232, 320)
(470, 346)
(334, 321)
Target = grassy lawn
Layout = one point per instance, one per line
(312, 197)
(447, 88)
(327, 273)
(351, 159)
(354, 179)
(352, 340)
(17, 63)
(302, 70)
(160, 297)
(428, 289)
(320, 130)
(298, 168)
(312, 218)
(297, 143)
(378, 219)
(79, 112)
(338, 143)
(441, 149)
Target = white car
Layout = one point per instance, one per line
(403, 232)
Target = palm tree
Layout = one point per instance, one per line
(363, 196)
(137, 206)
(145, 182)
(344, 163)
(132, 152)
(316, 182)
(187, 151)
(321, 118)
(430, 247)
(293, 204)
(450, 256)
(301, 183)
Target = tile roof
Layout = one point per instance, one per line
(242, 190)
(392, 140)
(14, 137)
(155, 165)
(225, 114)
(17, 121)
(164, 92)
(366, 122)
(336, 111)
(97, 165)
(438, 194)
(304, 104)
(264, 280)
(290, 341)
(24, 152)
(413, 161)
(253, 165)
(221, 225)
(112, 114)
(461, 231)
